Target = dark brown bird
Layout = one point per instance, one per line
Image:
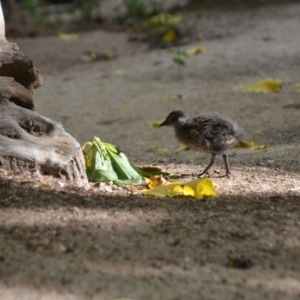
(210, 133)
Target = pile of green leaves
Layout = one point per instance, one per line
(106, 162)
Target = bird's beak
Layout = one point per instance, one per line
(164, 123)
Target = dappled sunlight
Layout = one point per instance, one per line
(110, 242)
(19, 290)
(289, 284)
(94, 217)
(259, 181)
(78, 244)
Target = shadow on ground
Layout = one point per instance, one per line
(87, 245)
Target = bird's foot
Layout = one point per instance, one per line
(227, 175)
(203, 174)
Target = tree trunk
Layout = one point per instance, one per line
(29, 141)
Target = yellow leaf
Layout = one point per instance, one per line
(110, 56)
(156, 181)
(90, 56)
(257, 132)
(88, 155)
(251, 145)
(182, 147)
(203, 187)
(57, 246)
(121, 72)
(161, 150)
(173, 98)
(154, 123)
(68, 37)
(125, 106)
(195, 51)
(169, 37)
(244, 144)
(269, 85)
(130, 30)
(198, 188)
(297, 86)
(165, 19)
(260, 147)
(182, 190)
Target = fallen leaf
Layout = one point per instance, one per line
(169, 37)
(161, 150)
(106, 162)
(182, 190)
(251, 145)
(195, 51)
(130, 30)
(68, 37)
(260, 147)
(142, 143)
(148, 172)
(244, 144)
(165, 19)
(257, 132)
(125, 106)
(198, 188)
(90, 56)
(57, 246)
(34, 244)
(121, 72)
(173, 98)
(179, 61)
(182, 147)
(155, 181)
(297, 86)
(269, 85)
(154, 123)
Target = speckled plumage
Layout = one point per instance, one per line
(210, 133)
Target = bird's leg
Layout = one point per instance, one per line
(213, 160)
(226, 162)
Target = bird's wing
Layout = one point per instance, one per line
(203, 124)
(199, 128)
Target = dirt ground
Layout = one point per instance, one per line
(58, 242)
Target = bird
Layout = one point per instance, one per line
(211, 133)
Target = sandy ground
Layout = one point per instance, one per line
(62, 243)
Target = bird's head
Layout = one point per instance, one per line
(175, 116)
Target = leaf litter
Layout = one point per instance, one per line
(107, 163)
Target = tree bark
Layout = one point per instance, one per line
(28, 140)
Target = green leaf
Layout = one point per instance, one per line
(106, 162)
(101, 168)
(123, 168)
(148, 174)
(179, 61)
(100, 175)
